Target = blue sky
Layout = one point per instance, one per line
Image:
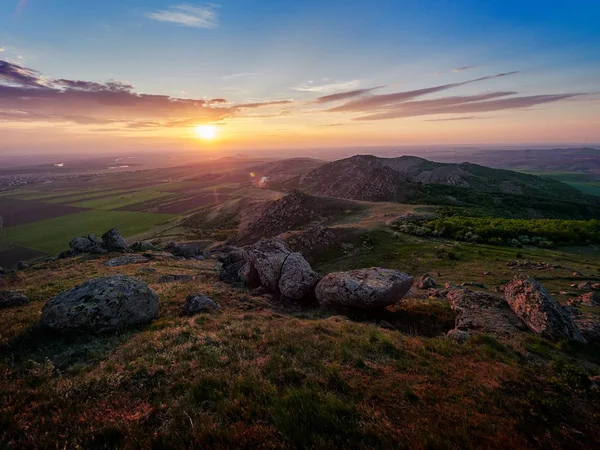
(248, 51)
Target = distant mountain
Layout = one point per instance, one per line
(582, 160)
(409, 179)
(285, 168)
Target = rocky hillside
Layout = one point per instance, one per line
(409, 179)
(294, 211)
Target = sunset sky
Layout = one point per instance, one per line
(130, 74)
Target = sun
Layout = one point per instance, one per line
(206, 132)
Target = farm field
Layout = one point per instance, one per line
(53, 235)
(582, 181)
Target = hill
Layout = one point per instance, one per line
(409, 179)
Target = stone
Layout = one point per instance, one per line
(143, 246)
(585, 286)
(157, 255)
(112, 241)
(591, 299)
(459, 336)
(588, 324)
(22, 265)
(542, 313)
(185, 249)
(199, 303)
(596, 286)
(102, 304)
(2, 271)
(236, 266)
(86, 244)
(12, 298)
(484, 313)
(171, 278)
(373, 287)
(297, 279)
(147, 270)
(126, 260)
(268, 256)
(426, 282)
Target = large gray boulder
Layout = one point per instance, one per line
(114, 242)
(87, 244)
(236, 266)
(143, 246)
(542, 313)
(268, 256)
(199, 303)
(374, 287)
(297, 280)
(101, 304)
(588, 324)
(185, 249)
(12, 298)
(483, 313)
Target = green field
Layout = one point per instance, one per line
(53, 235)
(120, 200)
(582, 181)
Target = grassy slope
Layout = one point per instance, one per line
(53, 235)
(120, 200)
(271, 375)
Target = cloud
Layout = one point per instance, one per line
(26, 95)
(233, 76)
(310, 86)
(2, 49)
(457, 118)
(462, 69)
(346, 95)
(188, 15)
(371, 102)
(468, 105)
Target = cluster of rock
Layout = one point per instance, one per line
(526, 305)
(272, 265)
(12, 298)
(111, 241)
(526, 264)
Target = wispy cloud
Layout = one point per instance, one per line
(346, 95)
(462, 69)
(2, 49)
(451, 119)
(368, 103)
(188, 15)
(329, 88)
(234, 76)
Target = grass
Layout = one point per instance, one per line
(53, 235)
(269, 375)
(122, 199)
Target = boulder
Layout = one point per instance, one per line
(596, 286)
(297, 280)
(588, 324)
(542, 313)
(185, 249)
(236, 266)
(160, 256)
(101, 304)
(2, 271)
(125, 260)
(459, 336)
(268, 256)
(585, 286)
(591, 299)
(171, 278)
(87, 244)
(199, 303)
(484, 313)
(143, 246)
(373, 287)
(22, 265)
(12, 298)
(426, 282)
(112, 241)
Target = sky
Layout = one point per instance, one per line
(87, 76)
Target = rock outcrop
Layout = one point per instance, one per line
(542, 313)
(101, 304)
(112, 241)
(297, 279)
(268, 256)
(87, 244)
(199, 303)
(484, 313)
(143, 246)
(369, 288)
(236, 267)
(12, 298)
(186, 250)
(588, 324)
(591, 299)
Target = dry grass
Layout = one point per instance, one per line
(266, 374)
